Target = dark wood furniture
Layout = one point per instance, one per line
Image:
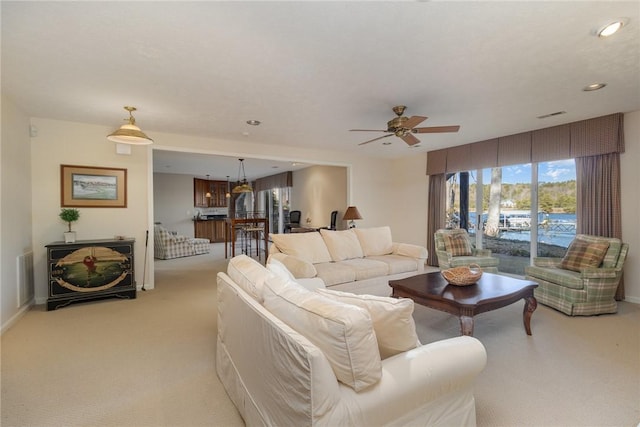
(212, 229)
(491, 292)
(90, 270)
(217, 189)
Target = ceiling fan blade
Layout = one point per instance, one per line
(410, 139)
(375, 139)
(367, 130)
(414, 121)
(436, 129)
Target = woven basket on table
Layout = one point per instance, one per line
(463, 276)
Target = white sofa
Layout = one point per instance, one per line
(290, 356)
(359, 260)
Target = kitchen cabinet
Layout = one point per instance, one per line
(212, 229)
(217, 189)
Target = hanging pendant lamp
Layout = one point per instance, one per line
(228, 193)
(130, 133)
(242, 186)
(208, 195)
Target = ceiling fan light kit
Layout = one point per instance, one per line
(403, 127)
(130, 133)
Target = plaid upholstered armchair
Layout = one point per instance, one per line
(454, 249)
(584, 282)
(168, 245)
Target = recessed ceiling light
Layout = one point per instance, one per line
(253, 122)
(415, 146)
(593, 86)
(245, 133)
(386, 143)
(610, 29)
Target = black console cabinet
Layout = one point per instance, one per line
(90, 270)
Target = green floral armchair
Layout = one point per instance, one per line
(584, 282)
(454, 249)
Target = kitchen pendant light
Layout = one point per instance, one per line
(208, 195)
(228, 193)
(242, 186)
(130, 133)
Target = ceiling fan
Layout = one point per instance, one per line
(404, 127)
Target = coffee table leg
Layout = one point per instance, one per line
(530, 306)
(466, 325)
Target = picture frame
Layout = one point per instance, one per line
(92, 187)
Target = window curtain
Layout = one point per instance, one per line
(436, 213)
(598, 199)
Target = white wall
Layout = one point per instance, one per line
(318, 190)
(630, 180)
(15, 206)
(173, 202)
(59, 143)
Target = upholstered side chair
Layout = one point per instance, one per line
(454, 249)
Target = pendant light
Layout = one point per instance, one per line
(242, 186)
(228, 194)
(130, 133)
(208, 195)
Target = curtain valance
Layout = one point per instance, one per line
(280, 180)
(601, 135)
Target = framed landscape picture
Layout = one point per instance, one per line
(93, 187)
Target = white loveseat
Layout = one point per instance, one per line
(290, 356)
(359, 260)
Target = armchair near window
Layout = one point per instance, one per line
(584, 282)
(454, 249)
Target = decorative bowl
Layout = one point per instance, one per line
(462, 276)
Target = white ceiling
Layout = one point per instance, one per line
(310, 71)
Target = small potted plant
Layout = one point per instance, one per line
(69, 216)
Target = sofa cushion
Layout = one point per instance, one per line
(396, 263)
(343, 332)
(457, 245)
(375, 241)
(583, 254)
(366, 268)
(249, 274)
(334, 273)
(308, 246)
(342, 244)
(564, 278)
(392, 320)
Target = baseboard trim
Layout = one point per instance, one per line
(16, 316)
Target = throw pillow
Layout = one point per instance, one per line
(343, 332)
(249, 274)
(392, 319)
(298, 267)
(342, 245)
(308, 246)
(582, 254)
(375, 241)
(279, 269)
(457, 245)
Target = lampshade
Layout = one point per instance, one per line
(351, 214)
(130, 133)
(242, 186)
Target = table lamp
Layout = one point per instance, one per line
(350, 215)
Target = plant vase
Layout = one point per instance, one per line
(69, 236)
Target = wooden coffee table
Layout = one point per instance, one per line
(491, 292)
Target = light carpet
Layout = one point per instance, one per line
(151, 361)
